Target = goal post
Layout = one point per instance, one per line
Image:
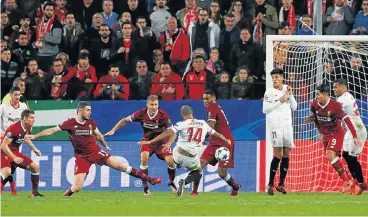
(307, 62)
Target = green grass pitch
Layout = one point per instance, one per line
(164, 203)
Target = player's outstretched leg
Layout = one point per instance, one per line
(195, 177)
(171, 170)
(144, 170)
(337, 165)
(115, 164)
(35, 178)
(77, 185)
(222, 172)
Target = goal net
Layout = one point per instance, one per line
(307, 62)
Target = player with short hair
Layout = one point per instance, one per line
(192, 133)
(350, 150)
(14, 135)
(154, 121)
(10, 113)
(328, 114)
(278, 103)
(218, 121)
(83, 133)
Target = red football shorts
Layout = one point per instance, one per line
(83, 163)
(333, 142)
(8, 161)
(209, 155)
(157, 149)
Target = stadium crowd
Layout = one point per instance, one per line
(176, 49)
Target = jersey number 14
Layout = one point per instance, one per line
(195, 135)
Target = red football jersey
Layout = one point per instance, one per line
(16, 133)
(81, 135)
(215, 113)
(328, 117)
(152, 125)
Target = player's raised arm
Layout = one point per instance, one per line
(213, 132)
(32, 146)
(5, 148)
(169, 133)
(345, 118)
(46, 132)
(119, 125)
(293, 103)
(269, 105)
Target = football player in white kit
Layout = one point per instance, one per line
(350, 150)
(10, 113)
(188, 149)
(277, 105)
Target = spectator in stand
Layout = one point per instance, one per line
(198, 51)
(338, 19)
(188, 15)
(215, 14)
(264, 21)
(228, 36)
(284, 28)
(112, 86)
(118, 28)
(6, 28)
(287, 14)
(307, 27)
(93, 33)
(158, 60)
(241, 19)
(61, 11)
(204, 33)
(175, 6)
(73, 36)
(109, 17)
(28, 7)
(214, 64)
(105, 51)
(48, 37)
(24, 28)
(136, 9)
(9, 71)
(175, 45)
(3, 45)
(167, 85)
(79, 77)
(361, 21)
(23, 51)
(222, 86)
(85, 13)
(57, 69)
(204, 4)
(159, 17)
(36, 87)
(248, 53)
(140, 85)
(241, 87)
(65, 58)
(18, 82)
(14, 13)
(57, 90)
(199, 75)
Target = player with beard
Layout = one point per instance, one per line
(154, 121)
(83, 133)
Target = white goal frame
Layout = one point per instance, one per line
(270, 39)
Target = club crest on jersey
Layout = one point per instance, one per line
(329, 114)
(9, 134)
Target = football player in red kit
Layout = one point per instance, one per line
(83, 133)
(11, 157)
(218, 121)
(154, 121)
(327, 114)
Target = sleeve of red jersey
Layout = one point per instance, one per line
(10, 132)
(136, 116)
(65, 125)
(211, 113)
(166, 121)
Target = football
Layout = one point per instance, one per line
(222, 154)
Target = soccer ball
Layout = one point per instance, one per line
(222, 154)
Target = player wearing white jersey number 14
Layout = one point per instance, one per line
(350, 150)
(192, 133)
